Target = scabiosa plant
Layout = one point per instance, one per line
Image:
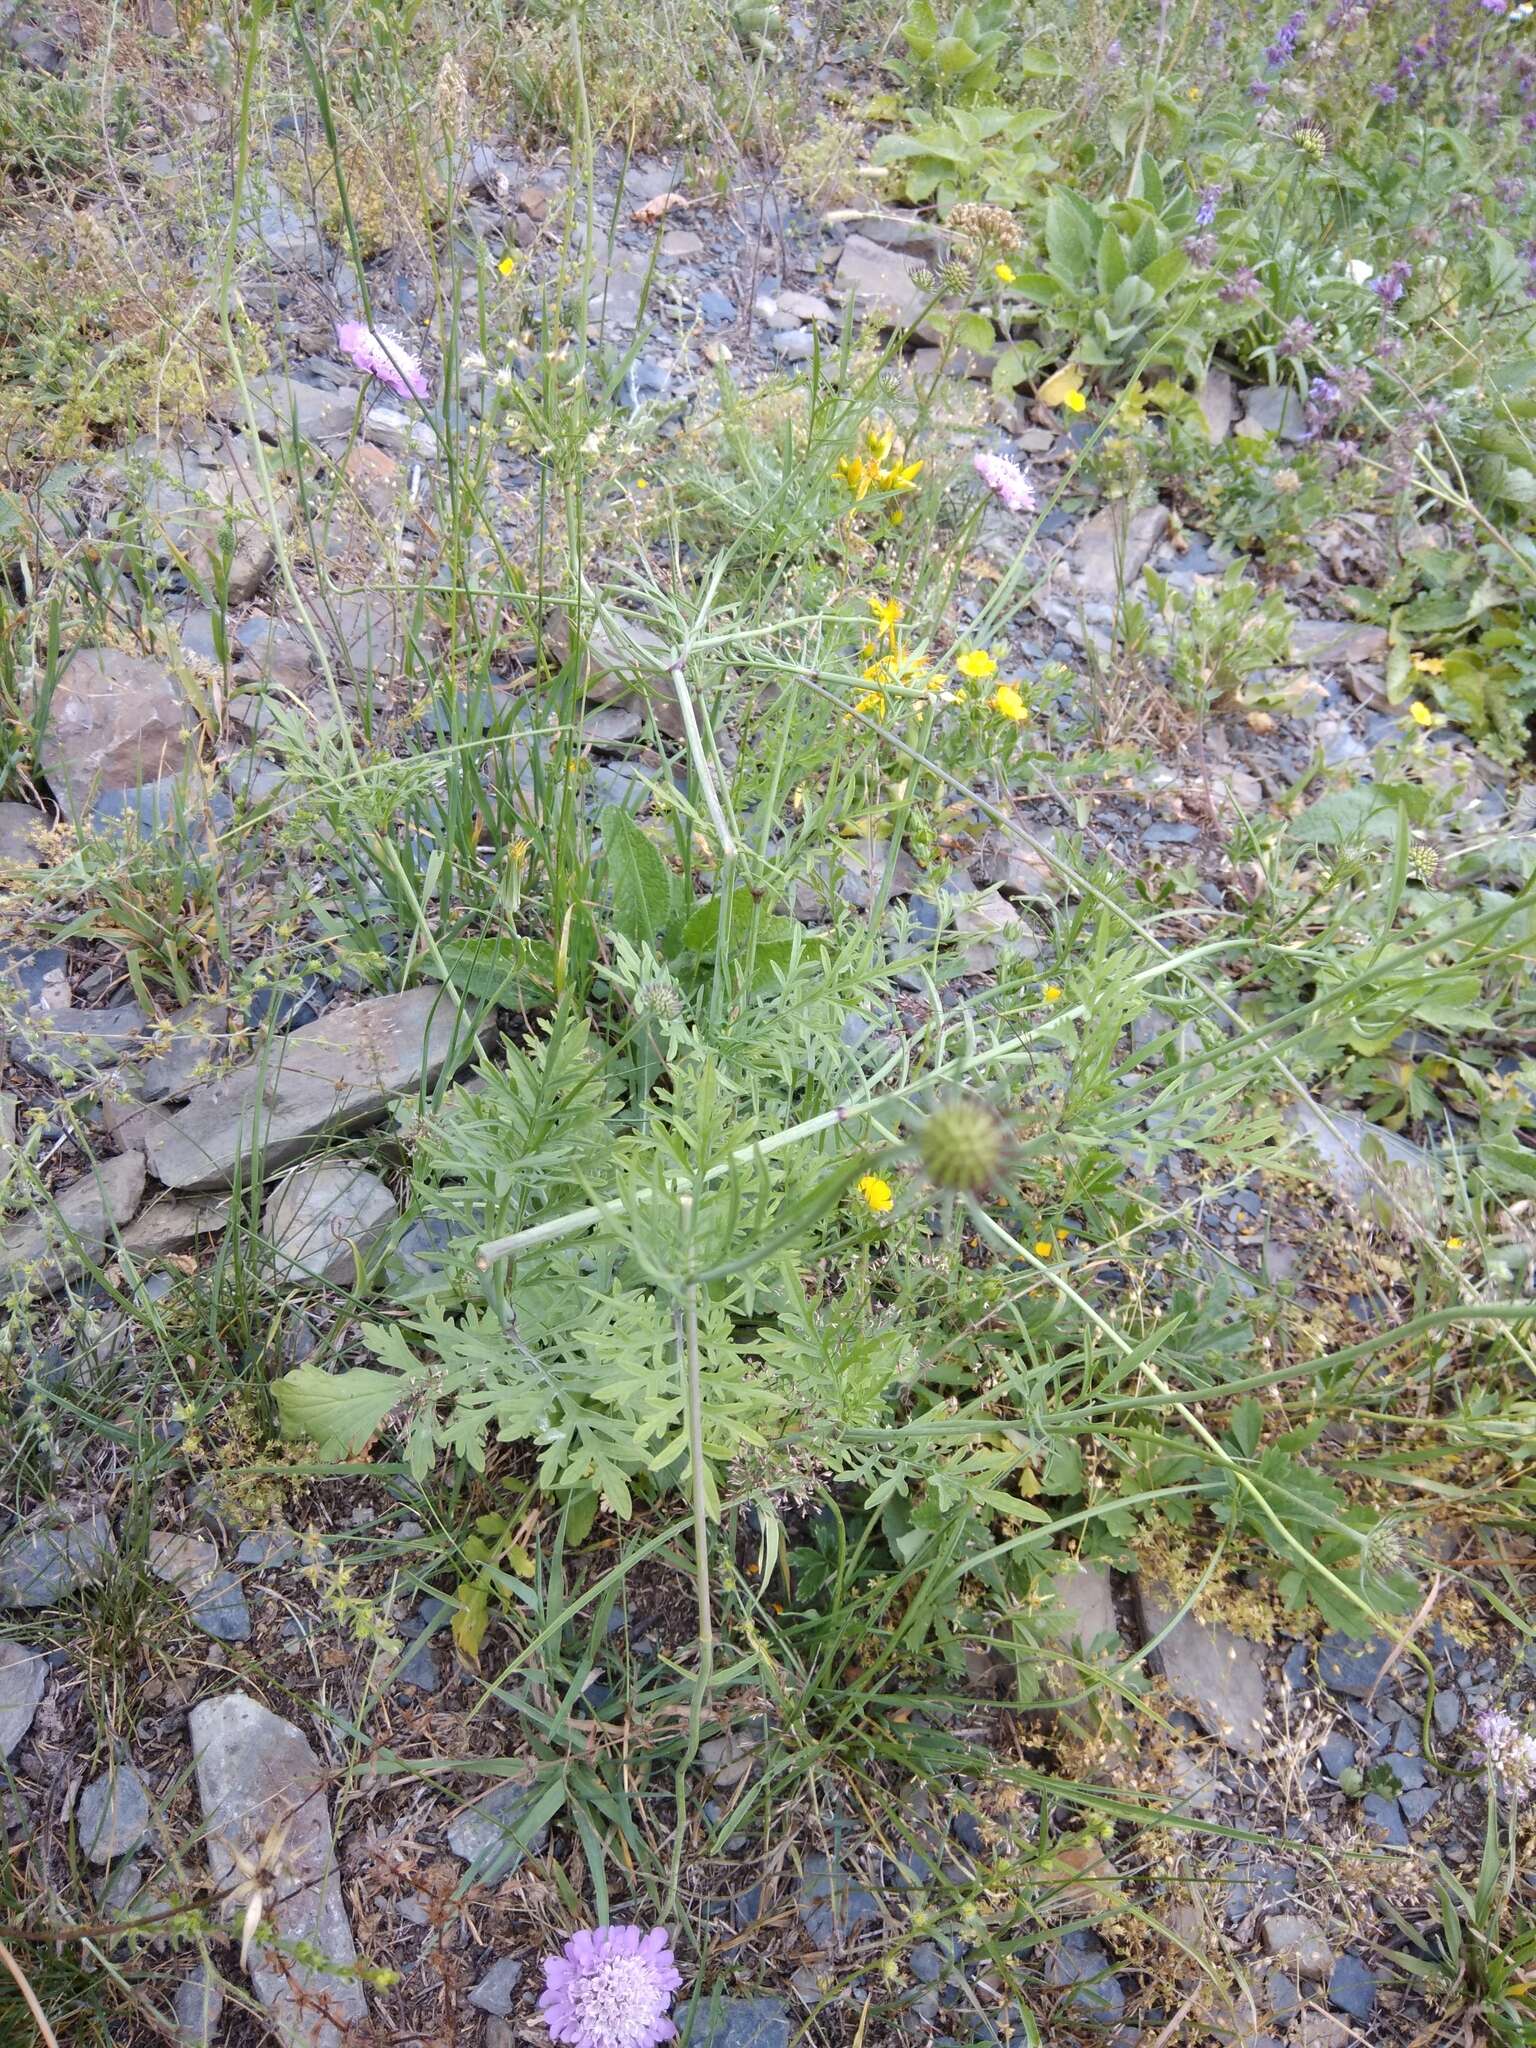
(611, 1987)
(1005, 480)
(382, 355)
(1508, 1751)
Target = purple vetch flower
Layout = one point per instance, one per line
(1257, 89)
(1005, 480)
(611, 1987)
(1241, 286)
(1112, 52)
(1210, 199)
(1507, 1750)
(382, 355)
(1387, 94)
(1393, 282)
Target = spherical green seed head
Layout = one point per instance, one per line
(961, 1147)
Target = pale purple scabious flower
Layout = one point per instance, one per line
(380, 355)
(611, 1987)
(1005, 480)
(1508, 1751)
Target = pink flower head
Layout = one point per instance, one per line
(1005, 480)
(611, 1987)
(381, 355)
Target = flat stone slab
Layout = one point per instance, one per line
(23, 1677)
(336, 1074)
(112, 1817)
(43, 1564)
(736, 2023)
(483, 1833)
(213, 1595)
(55, 1247)
(115, 720)
(254, 1771)
(325, 1220)
(1217, 1675)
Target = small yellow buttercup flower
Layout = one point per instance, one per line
(1074, 401)
(878, 1198)
(977, 667)
(1420, 713)
(507, 265)
(1004, 273)
(1051, 992)
(642, 483)
(1454, 1244)
(1043, 1247)
(1007, 703)
(1428, 664)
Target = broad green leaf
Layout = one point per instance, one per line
(1113, 264)
(637, 875)
(975, 332)
(495, 970)
(1068, 243)
(340, 1411)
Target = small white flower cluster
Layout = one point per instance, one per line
(1508, 1750)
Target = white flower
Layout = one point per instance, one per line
(1358, 272)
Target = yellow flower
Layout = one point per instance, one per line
(1043, 1247)
(1062, 386)
(856, 474)
(878, 441)
(1063, 1235)
(1420, 713)
(507, 265)
(1428, 664)
(899, 477)
(1004, 274)
(888, 613)
(642, 483)
(870, 705)
(1007, 703)
(1454, 1244)
(1051, 992)
(977, 666)
(878, 1198)
(1074, 401)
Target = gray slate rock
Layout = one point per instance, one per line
(77, 1042)
(41, 1565)
(1080, 1959)
(214, 1597)
(879, 281)
(1218, 1675)
(1294, 1938)
(254, 1769)
(736, 2023)
(1384, 1176)
(483, 1834)
(325, 1220)
(494, 1992)
(1275, 409)
(282, 405)
(197, 2008)
(337, 1074)
(23, 1677)
(1114, 546)
(1351, 1667)
(22, 830)
(112, 1817)
(830, 1905)
(1325, 640)
(115, 721)
(1352, 1988)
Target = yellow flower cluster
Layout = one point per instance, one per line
(872, 468)
(891, 664)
